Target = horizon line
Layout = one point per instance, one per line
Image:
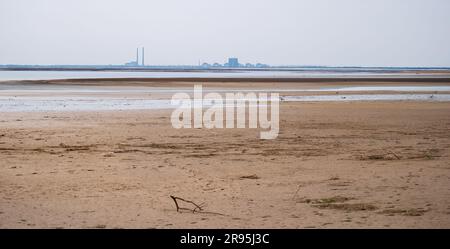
(265, 66)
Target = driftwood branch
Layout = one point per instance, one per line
(296, 192)
(395, 155)
(196, 208)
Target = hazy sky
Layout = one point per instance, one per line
(277, 32)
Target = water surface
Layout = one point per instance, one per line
(44, 104)
(49, 75)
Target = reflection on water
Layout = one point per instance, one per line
(54, 88)
(40, 104)
(48, 75)
(79, 104)
(390, 88)
(370, 97)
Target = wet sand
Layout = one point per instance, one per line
(334, 165)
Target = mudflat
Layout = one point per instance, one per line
(334, 165)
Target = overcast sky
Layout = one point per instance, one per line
(277, 32)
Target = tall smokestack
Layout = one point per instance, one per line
(143, 56)
(137, 56)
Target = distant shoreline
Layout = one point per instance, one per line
(185, 68)
(90, 81)
(299, 75)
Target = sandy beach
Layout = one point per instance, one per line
(349, 164)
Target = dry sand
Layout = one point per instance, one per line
(334, 165)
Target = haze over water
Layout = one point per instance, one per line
(276, 32)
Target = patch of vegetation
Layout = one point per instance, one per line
(404, 212)
(347, 206)
(386, 156)
(338, 203)
(253, 177)
(331, 200)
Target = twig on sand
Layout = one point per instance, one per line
(296, 192)
(392, 153)
(197, 207)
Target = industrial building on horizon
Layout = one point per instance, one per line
(232, 62)
(136, 62)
